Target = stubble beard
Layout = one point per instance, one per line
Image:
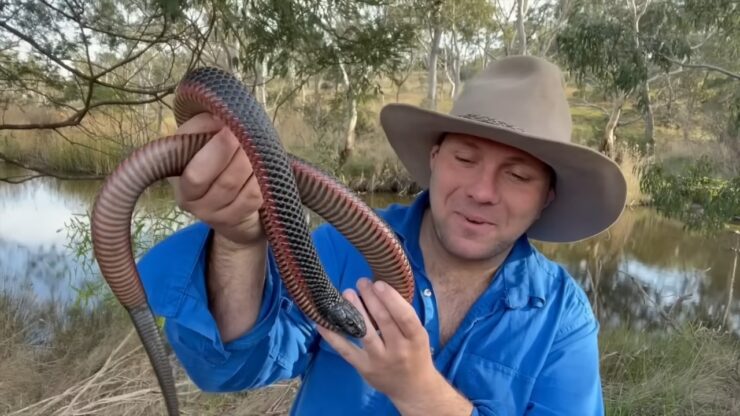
(497, 248)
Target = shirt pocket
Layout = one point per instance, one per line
(491, 384)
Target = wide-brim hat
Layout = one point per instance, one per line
(520, 101)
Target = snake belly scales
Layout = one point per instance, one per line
(287, 183)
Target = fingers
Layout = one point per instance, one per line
(208, 164)
(229, 185)
(391, 334)
(350, 352)
(218, 186)
(402, 313)
(200, 123)
(372, 341)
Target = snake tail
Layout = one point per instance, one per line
(146, 327)
(111, 234)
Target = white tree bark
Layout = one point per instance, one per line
(432, 71)
(521, 11)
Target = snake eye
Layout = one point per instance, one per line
(348, 319)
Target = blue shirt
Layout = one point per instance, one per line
(527, 346)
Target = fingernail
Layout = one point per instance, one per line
(380, 285)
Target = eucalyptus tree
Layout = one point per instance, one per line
(623, 47)
(352, 42)
(76, 55)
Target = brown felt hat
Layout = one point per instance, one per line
(520, 101)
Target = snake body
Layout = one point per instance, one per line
(287, 183)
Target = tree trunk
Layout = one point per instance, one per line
(432, 72)
(261, 79)
(648, 109)
(731, 284)
(457, 82)
(648, 114)
(608, 143)
(349, 136)
(521, 11)
(455, 64)
(317, 101)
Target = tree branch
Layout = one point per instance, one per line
(704, 66)
(42, 172)
(76, 118)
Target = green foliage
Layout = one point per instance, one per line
(602, 49)
(697, 197)
(148, 227)
(311, 37)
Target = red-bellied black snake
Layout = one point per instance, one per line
(286, 183)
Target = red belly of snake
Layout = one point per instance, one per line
(287, 184)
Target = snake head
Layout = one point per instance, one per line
(347, 318)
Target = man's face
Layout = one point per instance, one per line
(484, 195)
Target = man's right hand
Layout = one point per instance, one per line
(218, 187)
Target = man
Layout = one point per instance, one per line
(495, 328)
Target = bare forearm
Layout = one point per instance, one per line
(438, 397)
(236, 280)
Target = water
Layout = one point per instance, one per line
(646, 271)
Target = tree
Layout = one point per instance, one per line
(354, 42)
(625, 46)
(80, 55)
(466, 23)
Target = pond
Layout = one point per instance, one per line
(645, 272)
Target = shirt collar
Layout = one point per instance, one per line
(523, 271)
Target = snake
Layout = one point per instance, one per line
(288, 184)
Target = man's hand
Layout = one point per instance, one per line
(395, 358)
(217, 185)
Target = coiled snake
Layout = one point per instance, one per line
(286, 182)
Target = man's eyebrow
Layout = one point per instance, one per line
(516, 159)
(519, 159)
(468, 144)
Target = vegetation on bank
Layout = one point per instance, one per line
(93, 363)
(86, 359)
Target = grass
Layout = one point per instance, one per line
(95, 364)
(692, 371)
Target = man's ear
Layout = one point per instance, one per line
(433, 154)
(550, 198)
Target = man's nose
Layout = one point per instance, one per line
(484, 189)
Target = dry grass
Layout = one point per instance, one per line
(692, 371)
(689, 371)
(95, 365)
(315, 130)
(125, 385)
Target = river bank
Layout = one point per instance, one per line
(94, 364)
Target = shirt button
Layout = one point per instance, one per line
(427, 292)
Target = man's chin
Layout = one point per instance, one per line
(476, 251)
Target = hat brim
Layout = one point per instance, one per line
(590, 190)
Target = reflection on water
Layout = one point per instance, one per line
(650, 272)
(645, 271)
(34, 255)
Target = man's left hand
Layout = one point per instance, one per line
(395, 357)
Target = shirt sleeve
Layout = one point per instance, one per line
(278, 346)
(570, 383)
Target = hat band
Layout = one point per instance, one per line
(492, 121)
